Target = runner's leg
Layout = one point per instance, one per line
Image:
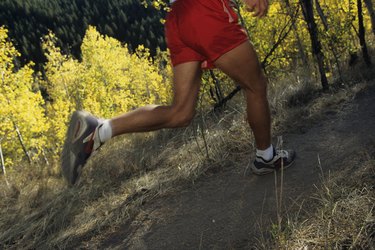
(186, 80)
(242, 65)
(83, 136)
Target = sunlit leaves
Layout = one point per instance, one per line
(108, 81)
(341, 32)
(20, 105)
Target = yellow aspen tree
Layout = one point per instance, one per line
(108, 81)
(21, 107)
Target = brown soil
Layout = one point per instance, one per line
(230, 209)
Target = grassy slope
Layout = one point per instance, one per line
(340, 215)
(37, 210)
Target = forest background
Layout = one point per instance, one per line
(109, 57)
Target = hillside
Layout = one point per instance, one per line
(186, 188)
(228, 208)
(162, 191)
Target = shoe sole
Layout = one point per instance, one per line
(256, 172)
(271, 171)
(73, 159)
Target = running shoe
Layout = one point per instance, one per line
(81, 141)
(281, 159)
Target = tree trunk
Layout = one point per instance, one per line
(362, 34)
(283, 34)
(321, 14)
(331, 44)
(21, 141)
(3, 165)
(2, 161)
(371, 12)
(300, 46)
(216, 93)
(308, 13)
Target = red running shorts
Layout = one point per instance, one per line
(202, 30)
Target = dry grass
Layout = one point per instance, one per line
(38, 210)
(340, 215)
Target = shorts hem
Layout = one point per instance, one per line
(211, 61)
(227, 49)
(185, 61)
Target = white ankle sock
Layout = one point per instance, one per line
(266, 154)
(105, 131)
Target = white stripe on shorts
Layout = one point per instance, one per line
(230, 18)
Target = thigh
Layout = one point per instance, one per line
(186, 84)
(242, 65)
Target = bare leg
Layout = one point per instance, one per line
(187, 78)
(242, 65)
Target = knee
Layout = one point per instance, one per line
(180, 118)
(257, 85)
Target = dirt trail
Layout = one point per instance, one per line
(224, 210)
